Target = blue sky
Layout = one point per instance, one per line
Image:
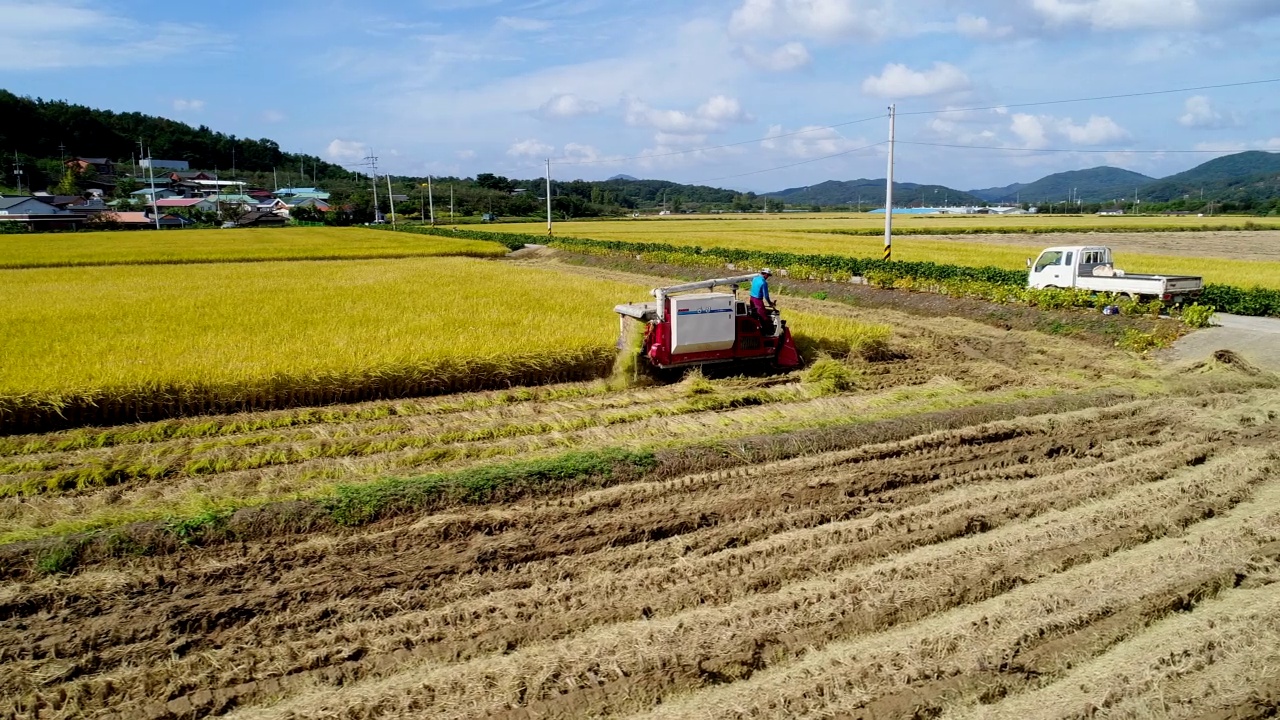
(624, 86)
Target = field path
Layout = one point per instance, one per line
(1255, 339)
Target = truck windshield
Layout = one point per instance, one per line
(1050, 257)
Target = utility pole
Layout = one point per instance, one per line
(62, 152)
(275, 179)
(17, 171)
(431, 202)
(151, 176)
(372, 162)
(888, 190)
(450, 203)
(548, 197)
(391, 199)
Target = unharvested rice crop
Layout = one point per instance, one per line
(232, 245)
(111, 343)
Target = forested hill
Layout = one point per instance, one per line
(1246, 176)
(870, 193)
(1100, 184)
(36, 128)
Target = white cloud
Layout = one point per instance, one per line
(1119, 14)
(809, 142)
(722, 109)
(1198, 112)
(791, 56)
(900, 81)
(1098, 130)
(980, 28)
(188, 105)
(1029, 129)
(37, 36)
(1034, 131)
(520, 24)
(465, 154)
(530, 149)
(567, 105)
(274, 116)
(579, 152)
(809, 18)
(711, 116)
(346, 152)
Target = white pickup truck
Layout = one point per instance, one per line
(1090, 268)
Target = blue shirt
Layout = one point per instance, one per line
(760, 288)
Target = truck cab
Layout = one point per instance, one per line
(1060, 266)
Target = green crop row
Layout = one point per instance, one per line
(367, 502)
(512, 241)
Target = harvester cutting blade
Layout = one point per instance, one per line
(788, 356)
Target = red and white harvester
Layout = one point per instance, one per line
(685, 328)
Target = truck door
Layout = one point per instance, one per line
(1048, 270)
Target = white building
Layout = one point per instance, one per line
(159, 164)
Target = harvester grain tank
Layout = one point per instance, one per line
(683, 327)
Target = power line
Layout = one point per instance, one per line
(1099, 97)
(784, 167)
(716, 147)
(1054, 150)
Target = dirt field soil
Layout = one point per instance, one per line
(997, 569)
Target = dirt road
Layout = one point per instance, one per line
(1255, 339)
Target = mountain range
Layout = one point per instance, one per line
(1251, 175)
(39, 131)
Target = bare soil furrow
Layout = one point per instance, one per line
(672, 653)
(501, 621)
(678, 509)
(926, 666)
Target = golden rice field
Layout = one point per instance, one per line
(204, 246)
(105, 344)
(257, 334)
(804, 234)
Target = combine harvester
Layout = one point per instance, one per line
(684, 330)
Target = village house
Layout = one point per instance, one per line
(34, 214)
(101, 166)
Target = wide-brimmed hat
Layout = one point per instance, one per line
(766, 271)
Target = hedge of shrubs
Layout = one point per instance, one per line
(997, 284)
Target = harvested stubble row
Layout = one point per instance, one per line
(931, 568)
(118, 344)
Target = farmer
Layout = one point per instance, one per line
(760, 296)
